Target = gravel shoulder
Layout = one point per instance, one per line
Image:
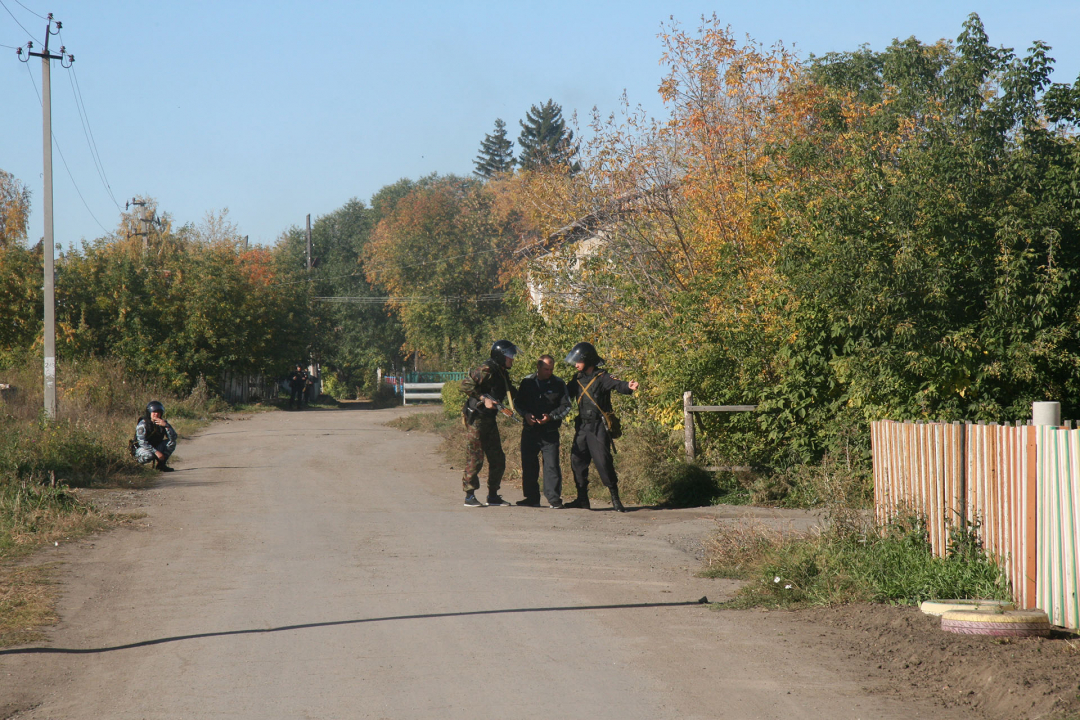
(320, 564)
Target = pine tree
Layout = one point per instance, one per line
(544, 138)
(496, 153)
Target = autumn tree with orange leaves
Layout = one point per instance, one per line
(663, 249)
(439, 254)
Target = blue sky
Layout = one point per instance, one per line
(279, 109)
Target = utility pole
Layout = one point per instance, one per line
(309, 242)
(49, 244)
(146, 230)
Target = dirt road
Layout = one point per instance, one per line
(322, 565)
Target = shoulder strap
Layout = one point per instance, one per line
(585, 389)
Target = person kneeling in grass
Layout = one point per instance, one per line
(155, 439)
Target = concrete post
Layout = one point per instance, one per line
(49, 245)
(1046, 413)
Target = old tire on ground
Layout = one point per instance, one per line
(1011, 623)
(940, 607)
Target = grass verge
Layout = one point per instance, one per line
(892, 564)
(27, 603)
(85, 445)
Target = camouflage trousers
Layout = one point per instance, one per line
(482, 440)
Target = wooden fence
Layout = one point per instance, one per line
(242, 387)
(1020, 484)
(689, 433)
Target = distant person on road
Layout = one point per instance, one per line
(543, 402)
(298, 380)
(155, 439)
(591, 386)
(479, 414)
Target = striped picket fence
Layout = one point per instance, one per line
(1059, 524)
(1020, 484)
(956, 474)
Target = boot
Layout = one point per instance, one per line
(616, 503)
(581, 501)
(160, 464)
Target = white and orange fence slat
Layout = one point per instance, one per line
(1020, 484)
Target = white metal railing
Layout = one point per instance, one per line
(421, 391)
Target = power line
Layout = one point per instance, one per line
(62, 158)
(84, 115)
(411, 265)
(30, 11)
(16, 19)
(406, 299)
(88, 132)
(9, 47)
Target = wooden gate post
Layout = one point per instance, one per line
(688, 424)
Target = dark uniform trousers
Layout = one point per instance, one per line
(592, 443)
(542, 440)
(482, 440)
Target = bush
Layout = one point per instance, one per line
(651, 472)
(452, 399)
(335, 388)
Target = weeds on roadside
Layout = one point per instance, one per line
(31, 513)
(844, 564)
(98, 403)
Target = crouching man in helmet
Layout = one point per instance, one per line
(155, 439)
(591, 386)
(479, 414)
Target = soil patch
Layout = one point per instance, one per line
(906, 654)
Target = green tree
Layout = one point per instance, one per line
(178, 305)
(439, 255)
(496, 153)
(937, 241)
(351, 338)
(14, 209)
(21, 271)
(544, 138)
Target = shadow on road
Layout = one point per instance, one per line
(336, 623)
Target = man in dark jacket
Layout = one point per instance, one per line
(298, 385)
(543, 402)
(591, 386)
(482, 439)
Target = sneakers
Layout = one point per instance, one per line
(528, 503)
(496, 501)
(471, 501)
(557, 505)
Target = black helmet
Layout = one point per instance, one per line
(503, 349)
(586, 353)
(155, 407)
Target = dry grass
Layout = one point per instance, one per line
(740, 549)
(27, 603)
(98, 405)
